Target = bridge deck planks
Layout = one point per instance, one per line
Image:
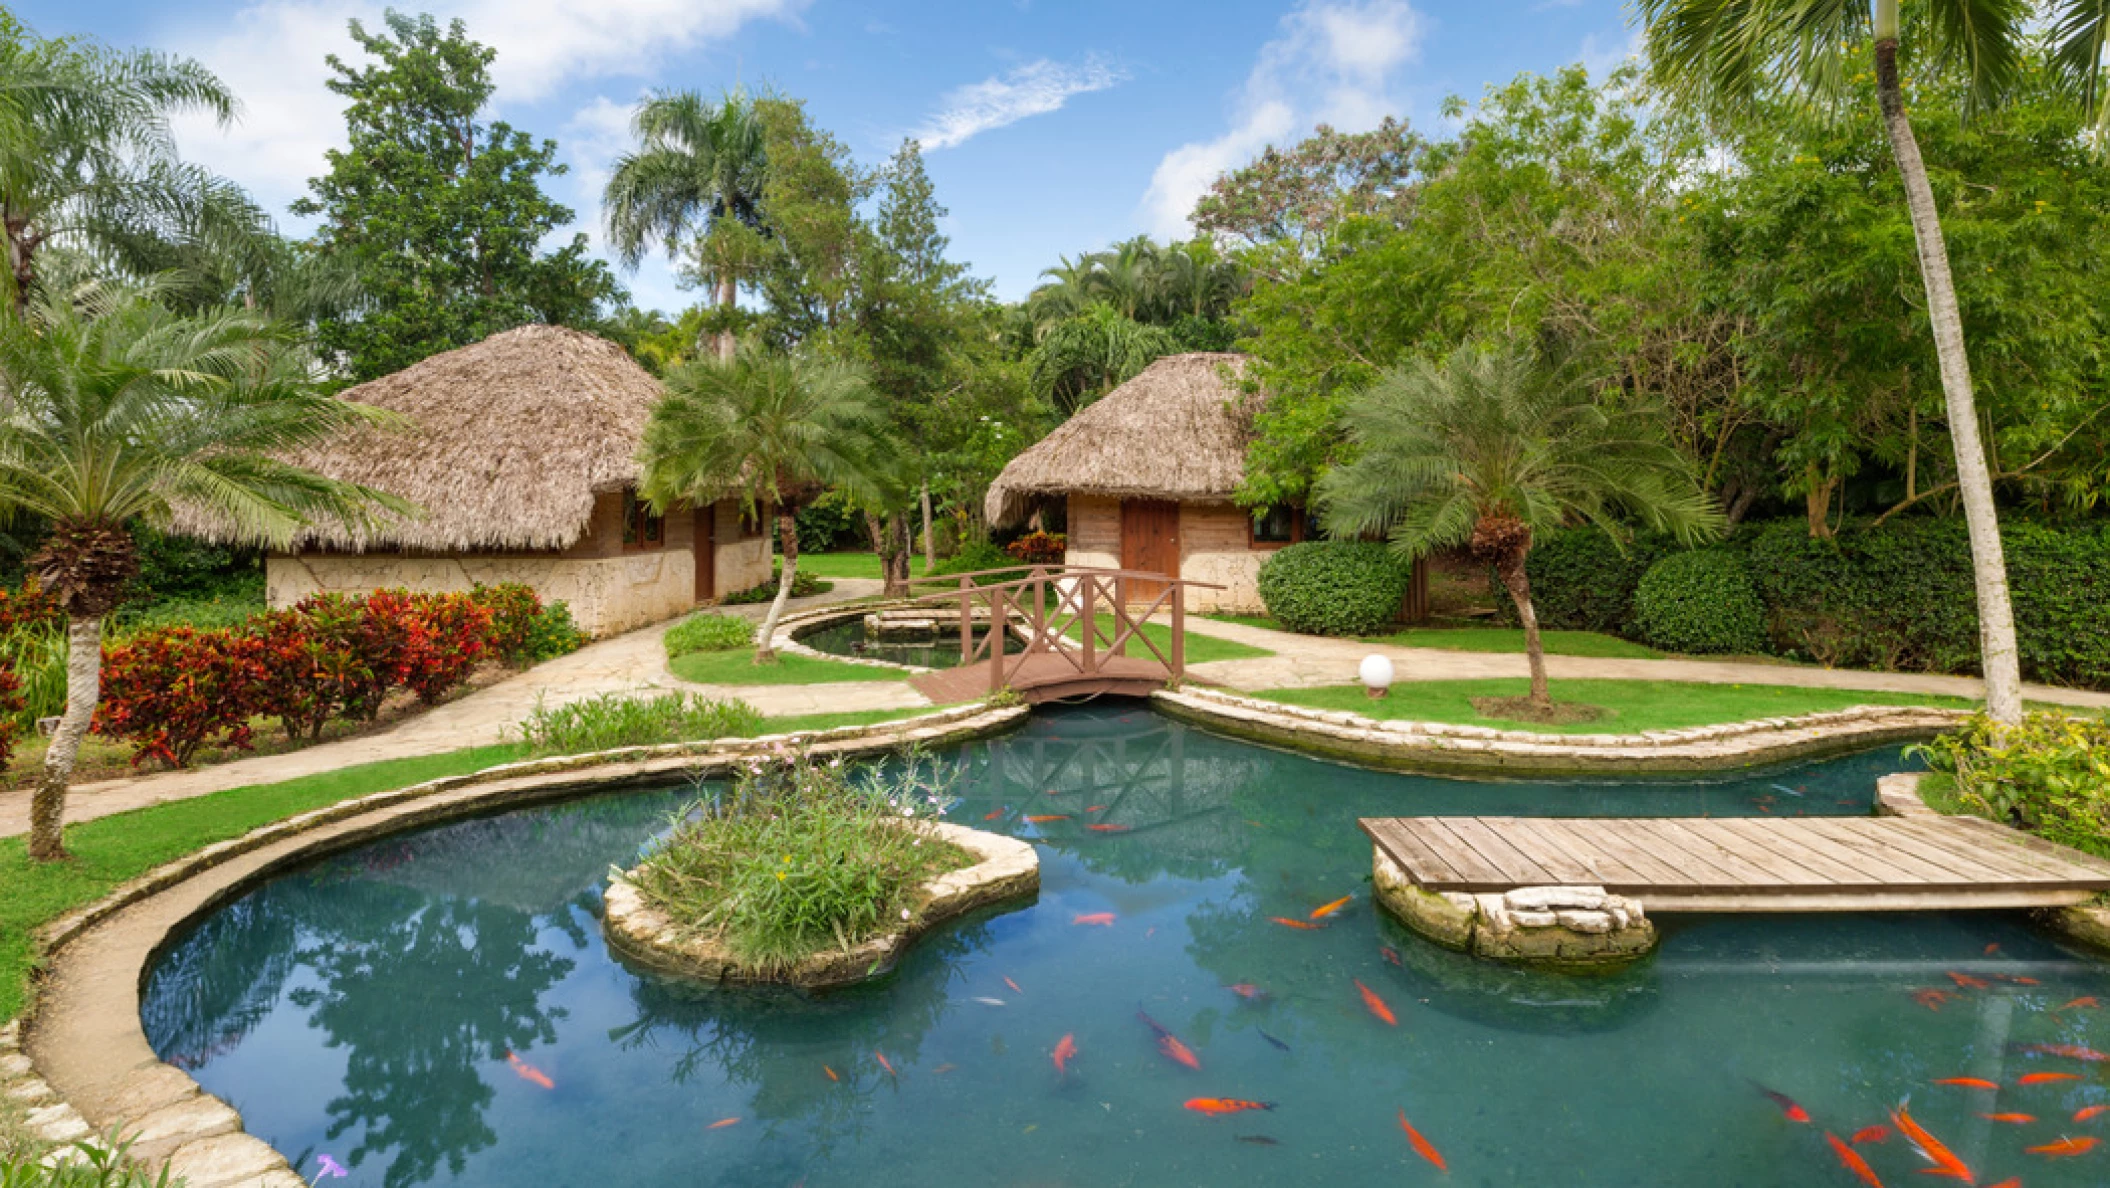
(1043, 676)
(1745, 864)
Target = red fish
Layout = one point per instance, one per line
(1422, 1146)
(2010, 1182)
(1216, 1107)
(2069, 1051)
(1286, 922)
(1992, 949)
(1102, 919)
(1390, 954)
(1247, 990)
(1044, 818)
(1931, 998)
(1322, 912)
(2088, 1003)
(1095, 808)
(1965, 980)
(1789, 1107)
(1872, 1134)
(1853, 1161)
(1013, 985)
(2019, 980)
(1376, 1005)
(2012, 1119)
(830, 1072)
(2065, 1147)
(528, 1072)
(722, 1123)
(887, 1066)
(1968, 1082)
(1170, 1044)
(1065, 1049)
(1106, 827)
(2046, 1078)
(1945, 1161)
(992, 815)
(2087, 1112)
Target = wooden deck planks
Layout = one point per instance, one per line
(1744, 864)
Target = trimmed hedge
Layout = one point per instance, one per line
(1334, 587)
(1582, 580)
(1701, 602)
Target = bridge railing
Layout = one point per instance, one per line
(1049, 601)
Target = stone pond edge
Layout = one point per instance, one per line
(167, 1117)
(1006, 871)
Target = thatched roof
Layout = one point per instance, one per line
(509, 440)
(1177, 431)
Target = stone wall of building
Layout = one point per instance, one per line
(1216, 546)
(606, 595)
(743, 563)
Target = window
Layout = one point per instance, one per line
(641, 528)
(1279, 525)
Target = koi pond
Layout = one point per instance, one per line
(942, 650)
(439, 1009)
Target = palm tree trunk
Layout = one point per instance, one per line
(47, 806)
(726, 299)
(930, 540)
(1518, 583)
(1999, 656)
(788, 540)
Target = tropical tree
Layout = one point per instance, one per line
(694, 185)
(115, 410)
(1085, 357)
(87, 159)
(772, 430)
(1729, 53)
(1491, 446)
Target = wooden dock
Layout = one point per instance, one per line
(1729, 864)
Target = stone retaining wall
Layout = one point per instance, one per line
(1478, 750)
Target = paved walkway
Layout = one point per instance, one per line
(633, 662)
(1302, 661)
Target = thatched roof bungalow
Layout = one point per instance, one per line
(522, 452)
(1147, 474)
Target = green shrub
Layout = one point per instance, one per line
(709, 633)
(976, 556)
(94, 1165)
(798, 858)
(613, 720)
(551, 634)
(2050, 775)
(1334, 587)
(829, 523)
(803, 585)
(1701, 602)
(524, 629)
(214, 613)
(1583, 580)
(37, 657)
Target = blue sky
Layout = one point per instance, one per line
(1050, 128)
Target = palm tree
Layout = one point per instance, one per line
(87, 159)
(773, 430)
(1728, 52)
(1082, 358)
(698, 164)
(115, 409)
(1491, 446)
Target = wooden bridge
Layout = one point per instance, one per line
(1717, 864)
(1082, 629)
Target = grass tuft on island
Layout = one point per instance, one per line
(799, 858)
(1627, 707)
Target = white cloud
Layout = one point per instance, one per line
(1331, 63)
(1030, 90)
(1600, 55)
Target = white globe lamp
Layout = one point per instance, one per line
(1376, 672)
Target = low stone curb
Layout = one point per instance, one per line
(782, 641)
(90, 1005)
(1441, 747)
(1006, 871)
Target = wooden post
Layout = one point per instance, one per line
(1179, 631)
(966, 621)
(1120, 612)
(1087, 588)
(996, 661)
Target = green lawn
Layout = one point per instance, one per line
(110, 850)
(738, 667)
(1632, 706)
(1484, 639)
(851, 565)
(1200, 648)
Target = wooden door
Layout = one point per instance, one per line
(1150, 541)
(704, 540)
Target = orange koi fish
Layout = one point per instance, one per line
(831, 1073)
(943, 1068)
(992, 814)
(722, 1123)
(1422, 1146)
(1247, 991)
(1931, 998)
(2019, 980)
(2087, 1112)
(2088, 1003)
(1992, 948)
(2065, 1147)
(1286, 922)
(1376, 1005)
(1170, 1045)
(1329, 909)
(1014, 986)
(2011, 1119)
(887, 1066)
(1945, 1161)
(1065, 1051)
(2069, 1051)
(1095, 808)
(1964, 980)
(1968, 1082)
(2010, 1182)
(1872, 1134)
(1789, 1107)
(1853, 1161)
(1390, 954)
(1044, 818)
(1107, 827)
(2046, 1078)
(1216, 1107)
(528, 1072)
(1102, 919)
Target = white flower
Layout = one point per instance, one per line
(904, 913)
(908, 810)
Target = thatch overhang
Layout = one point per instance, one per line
(509, 439)
(1177, 431)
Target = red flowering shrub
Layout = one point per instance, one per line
(169, 691)
(514, 609)
(451, 633)
(11, 707)
(29, 608)
(310, 672)
(1038, 548)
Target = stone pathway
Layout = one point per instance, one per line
(1302, 661)
(636, 661)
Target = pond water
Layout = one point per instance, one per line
(365, 1008)
(847, 638)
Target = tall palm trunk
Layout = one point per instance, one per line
(930, 539)
(1518, 583)
(47, 806)
(1974, 482)
(788, 539)
(727, 298)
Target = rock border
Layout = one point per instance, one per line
(785, 642)
(1578, 930)
(1441, 748)
(81, 1048)
(1006, 871)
